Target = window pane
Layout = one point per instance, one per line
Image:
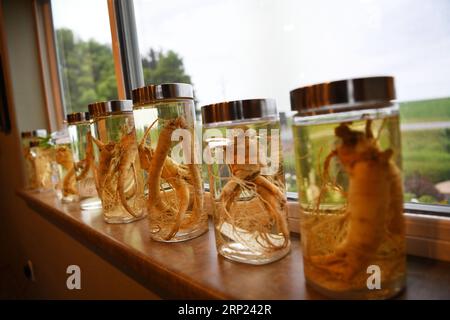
(83, 43)
(265, 48)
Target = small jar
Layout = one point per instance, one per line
(164, 113)
(40, 159)
(66, 187)
(30, 166)
(245, 167)
(79, 126)
(348, 157)
(119, 180)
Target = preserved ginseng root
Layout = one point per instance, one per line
(39, 167)
(85, 176)
(85, 166)
(252, 208)
(175, 193)
(67, 171)
(369, 229)
(119, 183)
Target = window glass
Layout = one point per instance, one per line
(264, 48)
(83, 43)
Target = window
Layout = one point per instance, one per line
(85, 59)
(265, 48)
(245, 49)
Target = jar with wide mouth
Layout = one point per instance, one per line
(40, 159)
(34, 180)
(242, 149)
(165, 124)
(79, 127)
(348, 161)
(119, 179)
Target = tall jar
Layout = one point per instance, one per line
(66, 187)
(120, 183)
(165, 114)
(348, 158)
(31, 176)
(245, 167)
(79, 126)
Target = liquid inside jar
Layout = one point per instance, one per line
(249, 191)
(66, 189)
(351, 197)
(120, 184)
(174, 186)
(83, 155)
(39, 165)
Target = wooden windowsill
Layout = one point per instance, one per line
(193, 269)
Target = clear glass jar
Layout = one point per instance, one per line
(348, 157)
(31, 178)
(174, 184)
(41, 159)
(79, 126)
(120, 182)
(245, 168)
(66, 187)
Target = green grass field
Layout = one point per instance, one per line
(425, 110)
(425, 152)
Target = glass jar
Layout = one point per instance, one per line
(31, 181)
(164, 113)
(348, 158)
(120, 183)
(41, 159)
(245, 167)
(79, 126)
(66, 187)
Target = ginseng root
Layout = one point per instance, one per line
(129, 153)
(116, 174)
(247, 179)
(64, 159)
(159, 166)
(374, 201)
(105, 157)
(86, 164)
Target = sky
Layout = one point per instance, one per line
(238, 49)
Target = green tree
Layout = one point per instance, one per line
(86, 69)
(162, 67)
(88, 75)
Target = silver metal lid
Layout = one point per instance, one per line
(238, 110)
(120, 106)
(78, 117)
(26, 134)
(98, 109)
(343, 95)
(165, 91)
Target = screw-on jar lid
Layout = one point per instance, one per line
(120, 106)
(165, 91)
(78, 117)
(26, 134)
(239, 110)
(98, 109)
(343, 95)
